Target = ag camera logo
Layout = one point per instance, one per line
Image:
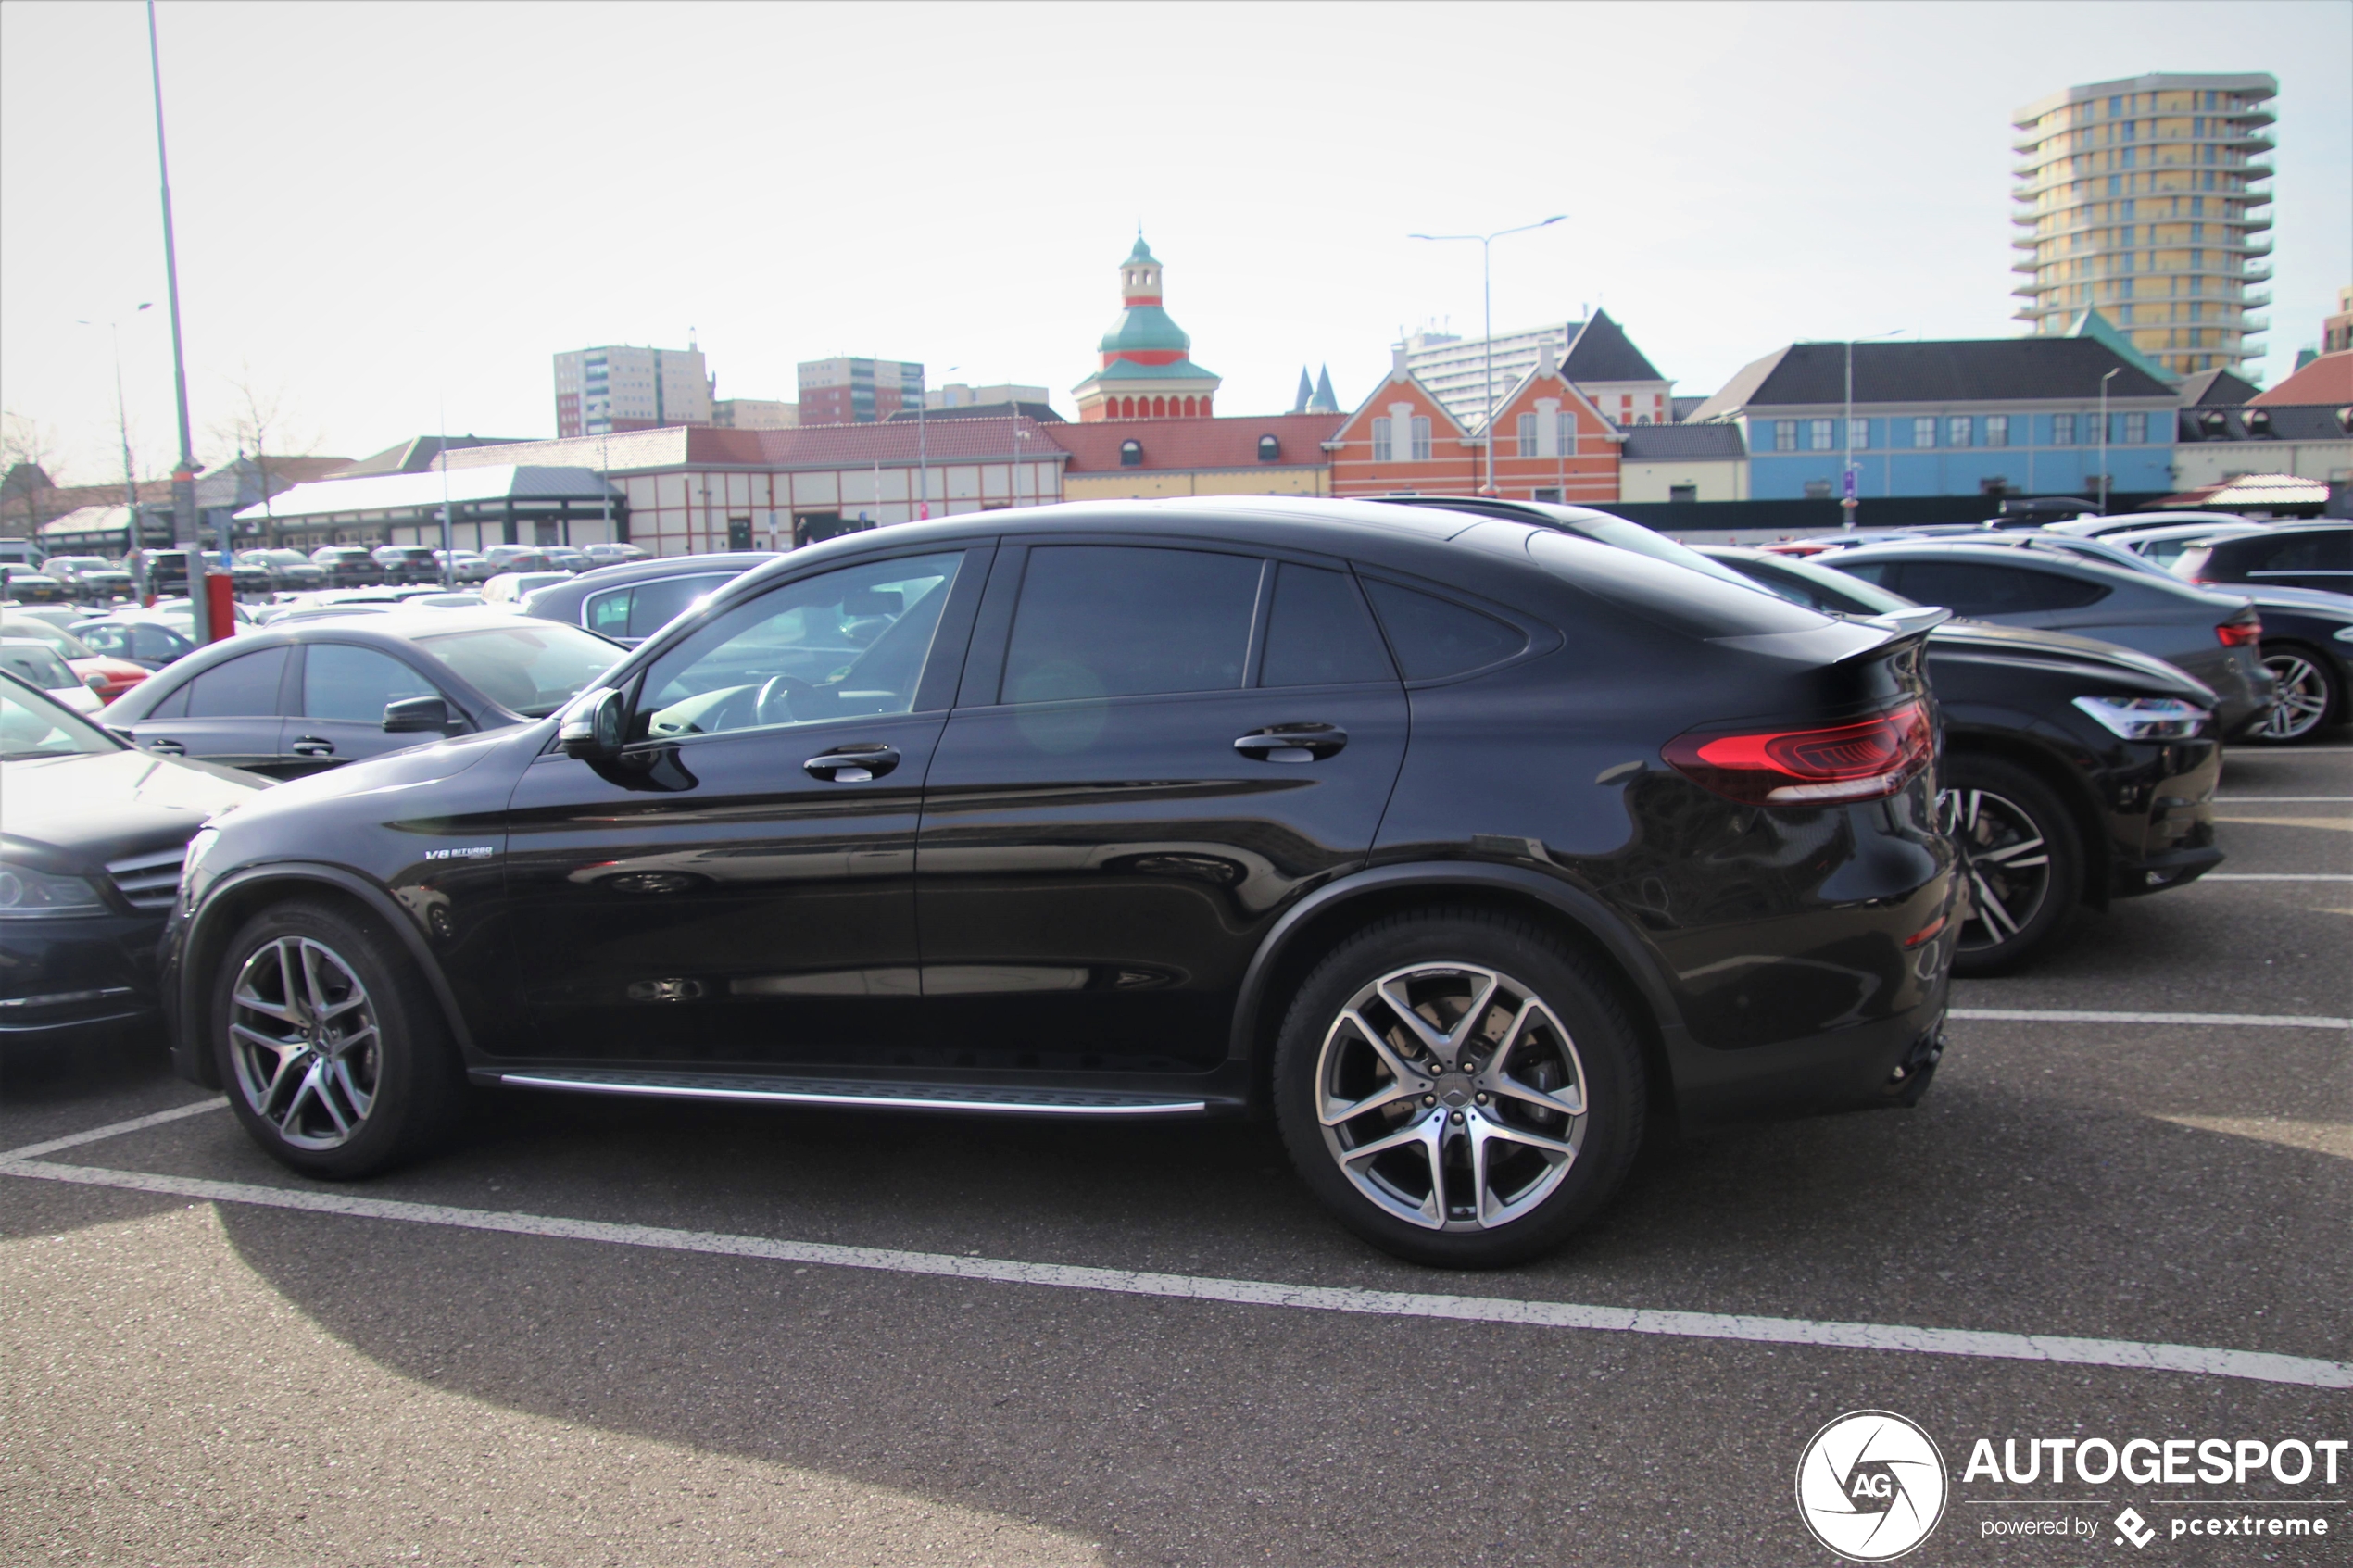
(1872, 1486)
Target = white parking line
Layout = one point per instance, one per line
(2134, 1355)
(2277, 877)
(2245, 1019)
(2283, 801)
(33, 1150)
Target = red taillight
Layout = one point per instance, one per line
(2239, 634)
(1859, 761)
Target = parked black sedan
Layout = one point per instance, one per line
(2074, 772)
(90, 837)
(2298, 555)
(312, 696)
(2210, 635)
(1461, 843)
(630, 602)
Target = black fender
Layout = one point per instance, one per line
(1595, 918)
(214, 920)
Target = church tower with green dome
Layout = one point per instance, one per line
(1147, 370)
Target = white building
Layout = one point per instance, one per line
(1597, 355)
(617, 387)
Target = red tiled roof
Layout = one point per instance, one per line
(838, 446)
(2328, 379)
(1227, 442)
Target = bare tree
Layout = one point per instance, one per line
(259, 427)
(30, 466)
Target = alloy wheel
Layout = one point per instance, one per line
(1451, 1097)
(304, 1037)
(2300, 703)
(2006, 860)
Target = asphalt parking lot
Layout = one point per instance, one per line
(602, 1333)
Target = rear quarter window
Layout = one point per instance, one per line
(1434, 638)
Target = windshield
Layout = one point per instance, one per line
(37, 663)
(33, 726)
(66, 643)
(1715, 603)
(528, 669)
(1825, 588)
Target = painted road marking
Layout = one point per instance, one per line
(2277, 877)
(2246, 1020)
(2257, 1365)
(113, 1129)
(2283, 801)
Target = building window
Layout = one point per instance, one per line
(1270, 449)
(1859, 434)
(1131, 454)
(1545, 493)
(2062, 430)
(1384, 444)
(1421, 439)
(2137, 429)
(1956, 431)
(1784, 436)
(1527, 435)
(1682, 493)
(1566, 432)
(1924, 432)
(1997, 430)
(1818, 489)
(1817, 435)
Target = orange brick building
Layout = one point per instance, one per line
(1555, 445)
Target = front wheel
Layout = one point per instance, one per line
(2305, 698)
(1457, 1089)
(335, 1058)
(2021, 856)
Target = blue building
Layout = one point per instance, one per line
(2003, 416)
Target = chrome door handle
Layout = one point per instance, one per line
(1292, 743)
(311, 746)
(167, 748)
(851, 764)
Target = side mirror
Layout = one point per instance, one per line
(592, 728)
(417, 715)
(95, 683)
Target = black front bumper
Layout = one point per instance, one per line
(60, 977)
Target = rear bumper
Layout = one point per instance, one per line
(1883, 1064)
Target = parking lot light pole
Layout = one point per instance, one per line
(1487, 303)
(122, 423)
(1848, 499)
(2104, 380)
(183, 474)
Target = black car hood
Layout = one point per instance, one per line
(105, 804)
(1987, 641)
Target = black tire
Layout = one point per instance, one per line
(2309, 699)
(1556, 1168)
(371, 1077)
(2021, 855)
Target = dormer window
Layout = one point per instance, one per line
(1270, 449)
(1131, 454)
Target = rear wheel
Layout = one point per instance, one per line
(2307, 695)
(1457, 1089)
(335, 1058)
(2020, 854)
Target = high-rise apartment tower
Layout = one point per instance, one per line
(2147, 200)
(617, 387)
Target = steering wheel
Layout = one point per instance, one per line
(773, 704)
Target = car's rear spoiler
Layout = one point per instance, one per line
(1845, 638)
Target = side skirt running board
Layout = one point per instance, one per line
(856, 1093)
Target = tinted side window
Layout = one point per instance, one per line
(172, 707)
(342, 682)
(2307, 552)
(243, 688)
(1123, 620)
(1434, 637)
(655, 605)
(1879, 571)
(150, 641)
(1320, 634)
(1987, 588)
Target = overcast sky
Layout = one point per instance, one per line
(393, 214)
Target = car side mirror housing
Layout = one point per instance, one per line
(592, 728)
(416, 715)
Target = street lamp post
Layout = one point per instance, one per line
(183, 474)
(1847, 498)
(122, 423)
(2104, 380)
(1487, 300)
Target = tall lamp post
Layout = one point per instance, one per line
(122, 423)
(2104, 380)
(923, 445)
(183, 474)
(1487, 300)
(1848, 499)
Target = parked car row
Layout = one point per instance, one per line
(1470, 838)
